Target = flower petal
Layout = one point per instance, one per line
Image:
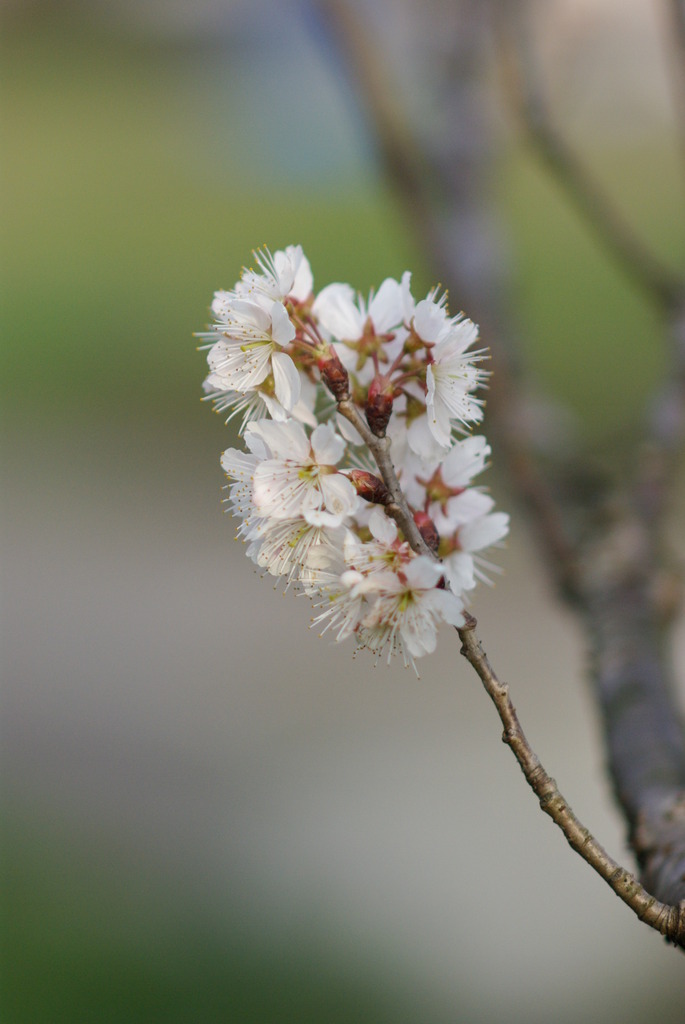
(286, 380)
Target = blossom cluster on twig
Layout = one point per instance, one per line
(326, 385)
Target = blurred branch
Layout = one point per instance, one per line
(621, 565)
(612, 569)
(664, 430)
(402, 158)
(678, 9)
(663, 434)
(677, 17)
(592, 203)
(425, 188)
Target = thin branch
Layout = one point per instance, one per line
(434, 201)
(593, 204)
(668, 920)
(380, 449)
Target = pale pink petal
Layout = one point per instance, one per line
(337, 311)
(286, 380)
(386, 308)
(328, 448)
(459, 571)
(382, 527)
(283, 440)
(339, 494)
(282, 329)
(483, 532)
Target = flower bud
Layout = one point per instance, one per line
(379, 404)
(333, 374)
(369, 487)
(428, 531)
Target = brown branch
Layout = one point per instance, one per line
(380, 449)
(656, 814)
(592, 203)
(621, 564)
(666, 919)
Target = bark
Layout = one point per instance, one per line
(645, 744)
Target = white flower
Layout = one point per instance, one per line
(338, 592)
(287, 547)
(450, 380)
(459, 510)
(258, 404)
(407, 610)
(345, 314)
(240, 466)
(439, 477)
(284, 275)
(299, 514)
(464, 461)
(422, 440)
(340, 312)
(450, 375)
(299, 477)
(482, 533)
(383, 553)
(431, 320)
(460, 571)
(465, 564)
(247, 348)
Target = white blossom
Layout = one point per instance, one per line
(248, 342)
(407, 611)
(299, 475)
(411, 372)
(450, 381)
(284, 275)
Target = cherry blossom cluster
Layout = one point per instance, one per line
(355, 482)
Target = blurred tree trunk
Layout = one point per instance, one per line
(429, 106)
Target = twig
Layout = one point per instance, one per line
(380, 449)
(668, 920)
(620, 561)
(431, 198)
(598, 212)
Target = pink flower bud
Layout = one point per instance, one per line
(369, 487)
(334, 375)
(428, 530)
(379, 404)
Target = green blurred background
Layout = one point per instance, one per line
(210, 814)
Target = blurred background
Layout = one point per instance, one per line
(210, 814)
